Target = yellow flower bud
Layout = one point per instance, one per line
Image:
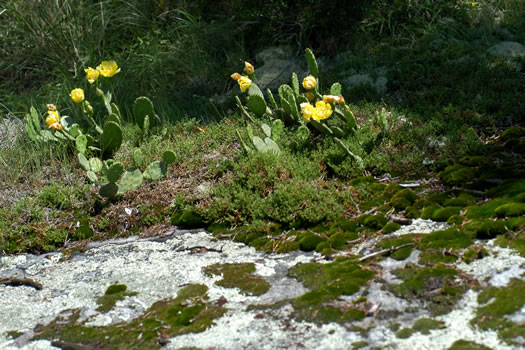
(307, 110)
(108, 68)
(99, 92)
(309, 82)
(91, 75)
(244, 83)
(77, 95)
(323, 111)
(329, 98)
(248, 67)
(235, 76)
(51, 107)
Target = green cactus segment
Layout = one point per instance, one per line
(155, 171)
(350, 119)
(243, 144)
(81, 144)
(169, 157)
(303, 133)
(131, 180)
(322, 127)
(107, 101)
(266, 129)
(116, 110)
(244, 112)
(141, 108)
(84, 163)
(254, 90)
(114, 171)
(295, 84)
(337, 131)
(111, 137)
(344, 148)
(95, 164)
(287, 108)
(108, 190)
(312, 63)
(266, 145)
(336, 89)
(249, 130)
(34, 119)
(30, 128)
(113, 118)
(92, 177)
(257, 104)
(271, 99)
(301, 99)
(74, 131)
(277, 129)
(137, 158)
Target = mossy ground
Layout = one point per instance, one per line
(113, 294)
(189, 312)
(240, 275)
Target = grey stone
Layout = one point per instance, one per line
(508, 49)
(277, 67)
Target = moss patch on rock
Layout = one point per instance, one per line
(238, 275)
(467, 345)
(501, 302)
(189, 312)
(328, 282)
(436, 285)
(114, 293)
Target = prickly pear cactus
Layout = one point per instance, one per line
(114, 172)
(156, 170)
(108, 190)
(144, 107)
(111, 138)
(131, 180)
(168, 157)
(257, 105)
(312, 63)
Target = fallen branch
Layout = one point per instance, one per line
(199, 248)
(401, 221)
(388, 250)
(13, 281)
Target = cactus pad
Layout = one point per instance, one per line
(168, 157)
(108, 190)
(155, 171)
(81, 144)
(277, 129)
(92, 177)
(336, 89)
(137, 158)
(84, 163)
(312, 63)
(141, 108)
(114, 172)
(111, 138)
(131, 180)
(95, 164)
(257, 104)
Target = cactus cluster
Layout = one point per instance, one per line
(268, 144)
(289, 108)
(115, 180)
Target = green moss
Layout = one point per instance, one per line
(455, 220)
(449, 238)
(502, 301)
(438, 198)
(190, 312)
(486, 229)
(514, 132)
(113, 294)
(351, 315)
(402, 253)
(359, 345)
(432, 256)
(412, 212)
(391, 227)
(424, 325)
(13, 334)
(338, 240)
(467, 345)
(240, 276)
(344, 225)
(443, 214)
(457, 175)
(327, 282)
(321, 246)
(375, 221)
(310, 241)
(510, 210)
(187, 219)
(474, 253)
(475, 161)
(405, 333)
(485, 210)
(428, 211)
(435, 285)
(462, 200)
(403, 199)
(391, 190)
(509, 188)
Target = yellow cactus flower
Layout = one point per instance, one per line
(55, 126)
(309, 82)
(235, 76)
(77, 95)
(307, 110)
(244, 83)
(323, 111)
(248, 68)
(108, 68)
(52, 117)
(91, 74)
(51, 107)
